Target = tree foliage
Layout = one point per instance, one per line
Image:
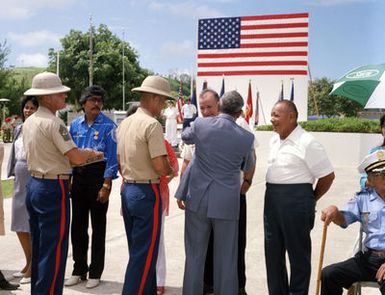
(107, 63)
(10, 87)
(330, 105)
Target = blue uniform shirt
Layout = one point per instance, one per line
(368, 208)
(99, 136)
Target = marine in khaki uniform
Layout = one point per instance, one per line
(143, 159)
(50, 152)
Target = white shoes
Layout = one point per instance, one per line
(72, 281)
(92, 283)
(25, 280)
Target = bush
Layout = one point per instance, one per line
(353, 125)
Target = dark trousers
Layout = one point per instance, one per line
(209, 268)
(362, 267)
(186, 122)
(84, 193)
(48, 207)
(142, 213)
(288, 219)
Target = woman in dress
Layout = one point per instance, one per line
(17, 166)
(171, 113)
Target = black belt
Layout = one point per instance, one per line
(377, 253)
(149, 181)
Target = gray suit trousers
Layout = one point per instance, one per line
(197, 233)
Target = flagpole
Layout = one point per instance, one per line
(58, 62)
(263, 113)
(312, 93)
(123, 78)
(91, 65)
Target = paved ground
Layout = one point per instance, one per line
(339, 241)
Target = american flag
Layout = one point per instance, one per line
(253, 45)
(180, 103)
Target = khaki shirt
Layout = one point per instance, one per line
(46, 140)
(140, 139)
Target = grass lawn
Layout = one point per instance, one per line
(7, 188)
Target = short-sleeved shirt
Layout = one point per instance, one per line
(140, 139)
(299, 158)
(188, 111)
(368, 208)
(100, 136)
(46, 140)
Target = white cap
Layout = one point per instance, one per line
(374, 162)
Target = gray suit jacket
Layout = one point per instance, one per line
(12, 159)
(222, 149)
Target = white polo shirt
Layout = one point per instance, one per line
(299, 158)
(188, 111)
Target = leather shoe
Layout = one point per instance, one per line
(74, 280)
(242, 291)
(5, 285)
(207, 289)
(159, 290)
(92, 283)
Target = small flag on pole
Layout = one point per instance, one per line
(249, 105)
(194, 95)
(257, 108)
(292, 90)
(223, 87)
(180, 103)
(280, 97)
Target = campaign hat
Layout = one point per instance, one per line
(46, 83)
(155, 85)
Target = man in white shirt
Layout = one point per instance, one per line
(295, 161)
(188, 111)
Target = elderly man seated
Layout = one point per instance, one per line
(368, 208)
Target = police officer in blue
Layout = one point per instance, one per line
(368, 208)
(91, 186)
(50, 152)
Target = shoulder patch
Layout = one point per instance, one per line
(64, 133)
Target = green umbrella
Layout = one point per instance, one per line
(365, 84)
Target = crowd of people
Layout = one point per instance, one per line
(52, 165)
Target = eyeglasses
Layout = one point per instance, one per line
(95, 99)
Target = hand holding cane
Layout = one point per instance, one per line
(321, 257)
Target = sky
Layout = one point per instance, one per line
(343, 34)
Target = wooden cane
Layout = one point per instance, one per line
(321, 257)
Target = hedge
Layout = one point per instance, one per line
(353, 125)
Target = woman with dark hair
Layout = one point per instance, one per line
(364, 177)
(17, 167)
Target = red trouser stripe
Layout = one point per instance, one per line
(62, 229)
(153, 240)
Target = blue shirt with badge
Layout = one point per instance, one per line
(99, 136)
(368, 208)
